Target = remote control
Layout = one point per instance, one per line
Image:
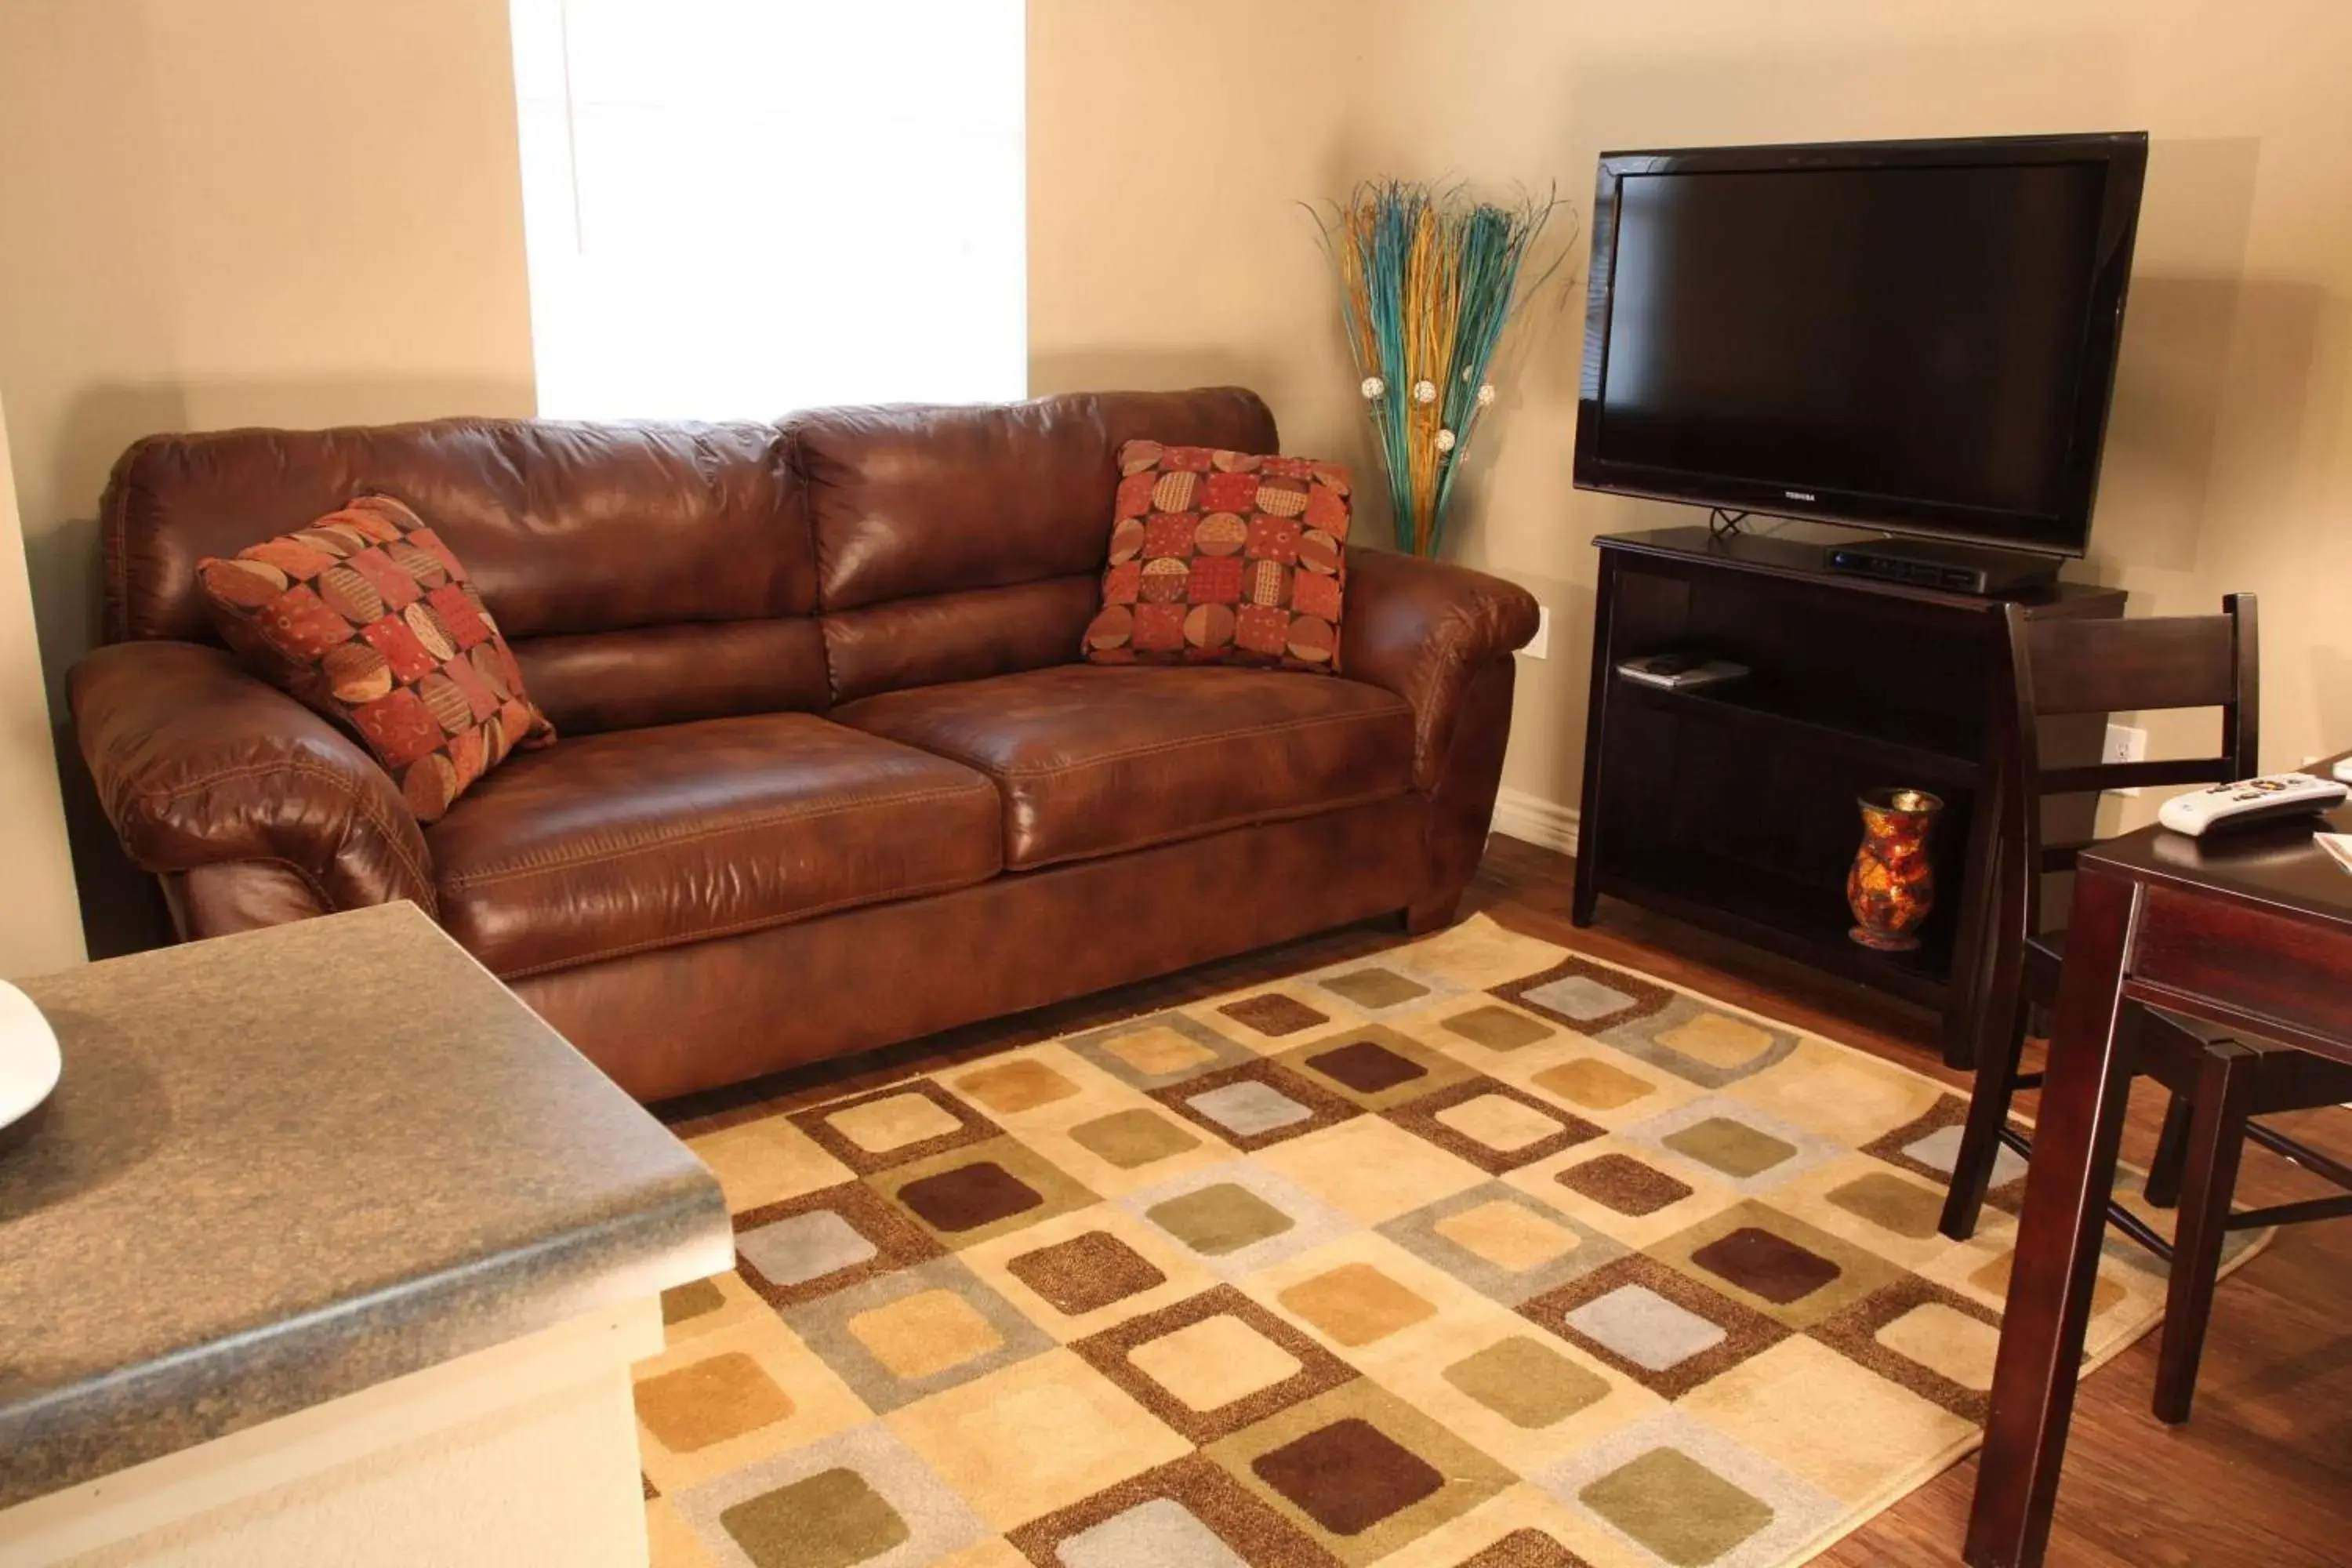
(2250, 800)
(1680, 671)
(1669, 663)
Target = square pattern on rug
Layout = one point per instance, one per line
(1474, 1254)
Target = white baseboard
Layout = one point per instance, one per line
(1536, 819)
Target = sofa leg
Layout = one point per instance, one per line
(1420, 920)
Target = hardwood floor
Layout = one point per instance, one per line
(2263, 1475)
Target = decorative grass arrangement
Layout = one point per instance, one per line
(1428, 280)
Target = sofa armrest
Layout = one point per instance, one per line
(1426, 630)
(199, 764)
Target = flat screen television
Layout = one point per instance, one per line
(1917, 336)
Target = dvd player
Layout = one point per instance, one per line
(1935, 564)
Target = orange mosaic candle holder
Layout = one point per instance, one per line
(1891, 885)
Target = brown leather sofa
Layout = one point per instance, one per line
(830, 775)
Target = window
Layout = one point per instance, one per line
(736, 208)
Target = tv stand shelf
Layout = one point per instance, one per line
(1783, 916)
(1882, 739)
(1732, 806)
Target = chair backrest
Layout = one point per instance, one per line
(2061, 667)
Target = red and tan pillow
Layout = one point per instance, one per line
(1223, 558)
(366, 616)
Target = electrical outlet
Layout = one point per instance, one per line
(1539, 646)
(2125, 745)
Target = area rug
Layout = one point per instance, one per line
(1475, 1254)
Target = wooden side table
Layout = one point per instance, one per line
(2251, 931)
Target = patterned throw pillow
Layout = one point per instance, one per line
(1223, 558)
(368, 618)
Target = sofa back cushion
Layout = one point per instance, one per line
(606, 551)
(656, 574)
(957, 543)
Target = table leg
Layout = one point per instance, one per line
(2058, 1238)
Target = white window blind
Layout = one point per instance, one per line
(735, 208)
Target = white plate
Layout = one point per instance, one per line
(28, 1056)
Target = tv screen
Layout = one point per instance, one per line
(1919, 336)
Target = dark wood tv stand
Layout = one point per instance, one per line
(1733, 806)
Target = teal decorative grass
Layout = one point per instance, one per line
(1428, 280)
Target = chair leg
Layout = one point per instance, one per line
(2171, 1155)
(1981, 1139)
(2216, 1138)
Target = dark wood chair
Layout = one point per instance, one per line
(2218, 1083)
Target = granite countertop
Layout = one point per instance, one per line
(284, 1166)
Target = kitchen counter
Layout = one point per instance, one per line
(285, 1167)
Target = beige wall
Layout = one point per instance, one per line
(1170, 140)
(231, 212)
(1171, 143)
(245, 212)
(40, 922)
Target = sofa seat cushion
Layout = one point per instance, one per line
(1095, 759)
(638, 839)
